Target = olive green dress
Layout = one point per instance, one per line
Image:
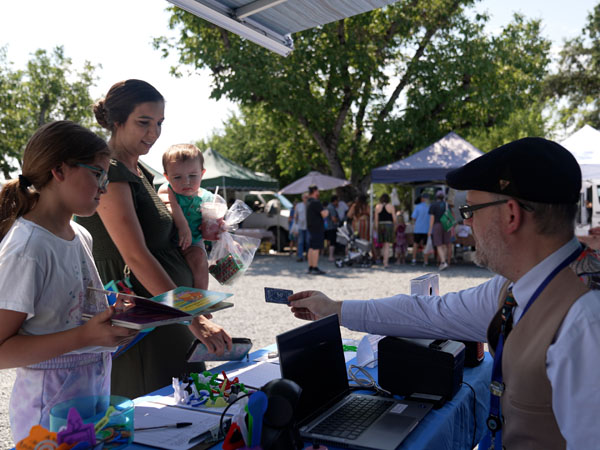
(152, 362)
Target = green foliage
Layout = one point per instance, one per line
(369, 89)
(267, 143)
(48, 89)
(577, 80)
(519, 124)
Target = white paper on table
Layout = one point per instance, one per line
(256, 375)
(169, 400)
(150, 414)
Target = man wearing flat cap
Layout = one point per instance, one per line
(540, 320)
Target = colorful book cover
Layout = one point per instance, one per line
(178, 305)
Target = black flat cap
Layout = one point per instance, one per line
(532, 168)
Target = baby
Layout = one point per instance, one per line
(184, 166)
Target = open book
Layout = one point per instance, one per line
(178, 305)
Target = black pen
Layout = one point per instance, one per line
(172, 425)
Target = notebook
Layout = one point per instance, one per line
(313, 357)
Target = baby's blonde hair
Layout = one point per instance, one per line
(182, 152)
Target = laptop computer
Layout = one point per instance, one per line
(312, 356)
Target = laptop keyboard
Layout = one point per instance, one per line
(352, 418)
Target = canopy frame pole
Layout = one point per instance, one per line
(371, 217)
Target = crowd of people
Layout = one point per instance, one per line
(540, 314)
(394, 229)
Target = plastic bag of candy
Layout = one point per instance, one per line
(231, 255)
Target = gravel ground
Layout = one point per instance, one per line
(253, 318)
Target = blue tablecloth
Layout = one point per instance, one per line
(455, 426)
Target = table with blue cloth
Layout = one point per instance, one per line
(457, 425)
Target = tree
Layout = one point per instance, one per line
(577, 80)
(375, 87)
(48, 89)
(268, 143)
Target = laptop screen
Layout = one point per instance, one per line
(312, 356)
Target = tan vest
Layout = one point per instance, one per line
(529, 421)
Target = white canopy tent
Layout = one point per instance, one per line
(585, 146)
(270, 23)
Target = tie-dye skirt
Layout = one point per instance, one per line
(39, 387)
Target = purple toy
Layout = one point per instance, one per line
(76, 431)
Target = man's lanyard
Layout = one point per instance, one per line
(497, 386)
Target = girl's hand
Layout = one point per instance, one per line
(185, 237)
(99, 331)
(216, 339)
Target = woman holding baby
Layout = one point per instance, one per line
(133, 229)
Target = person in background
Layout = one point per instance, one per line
(183, 166)
(385, 224)
(333, 222)
(440, 237)
(300, 218)
(46, 270)
(539, 318)
(293, 232)
(134, 229)
(315, 222)
(400, 246)
(342, 209)
(359, 214)
(420, 215)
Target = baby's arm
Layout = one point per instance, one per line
(167, 195)
(18, 350)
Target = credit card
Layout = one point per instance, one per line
(273, 295)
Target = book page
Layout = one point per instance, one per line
(149, 414)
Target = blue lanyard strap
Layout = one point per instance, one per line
(497, 386)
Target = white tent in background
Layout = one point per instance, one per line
(585, 146)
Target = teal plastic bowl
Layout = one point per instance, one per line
(117, 433)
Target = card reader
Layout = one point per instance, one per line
(425, 366)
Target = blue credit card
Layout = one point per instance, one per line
(274, 295)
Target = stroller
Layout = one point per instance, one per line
(357, 249)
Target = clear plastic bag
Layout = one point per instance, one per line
(428, 246)
(231, 255)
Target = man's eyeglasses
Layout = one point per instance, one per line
(102, 175)
(466, 211)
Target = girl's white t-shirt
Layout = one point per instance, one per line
(48, 277)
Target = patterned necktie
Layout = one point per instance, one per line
(507, 314)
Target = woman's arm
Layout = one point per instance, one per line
(118, 215)
(117, 212)
(350, 213)
(18, 350)
(376, 214)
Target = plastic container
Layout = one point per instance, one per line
(117, 433)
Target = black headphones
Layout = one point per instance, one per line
(279, 426)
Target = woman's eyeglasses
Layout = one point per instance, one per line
(102, 175)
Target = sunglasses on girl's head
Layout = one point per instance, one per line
(102, 175)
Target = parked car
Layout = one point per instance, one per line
(271, 212)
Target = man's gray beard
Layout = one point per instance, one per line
(489, 248)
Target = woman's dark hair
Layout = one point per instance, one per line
(384, 198)
(122, 98)
(53, 144)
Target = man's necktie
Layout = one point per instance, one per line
(507, 314)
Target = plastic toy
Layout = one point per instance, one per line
(76, 431)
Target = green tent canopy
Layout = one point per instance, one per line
(226, 174)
